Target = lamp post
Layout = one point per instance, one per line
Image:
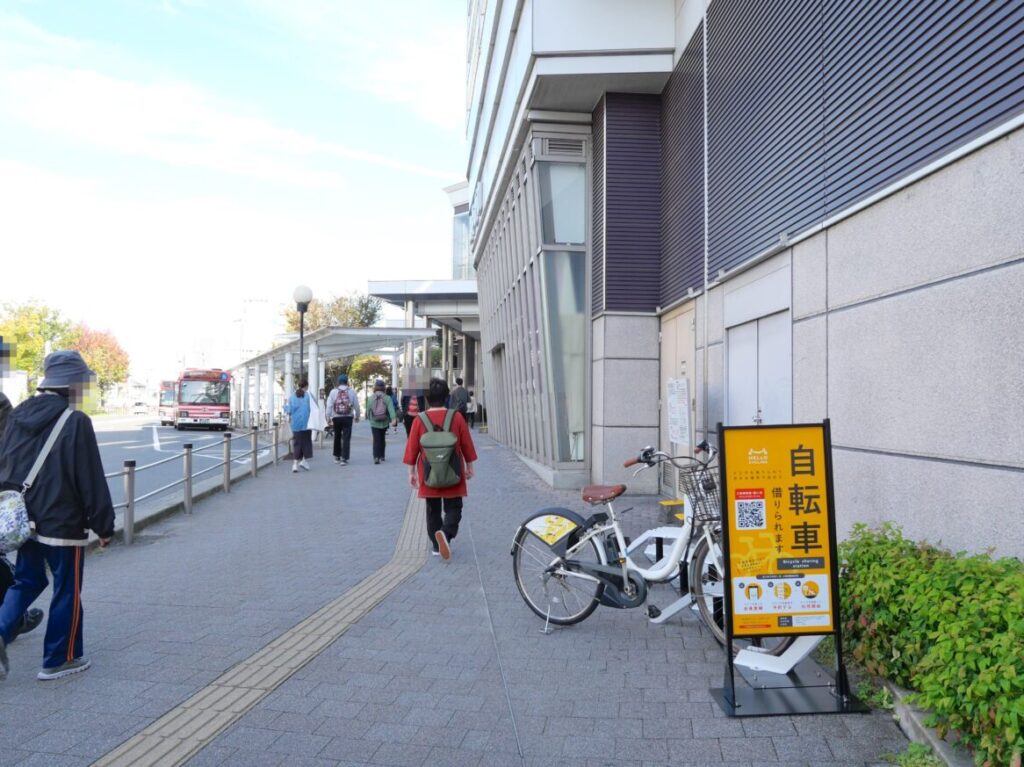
(302, 296)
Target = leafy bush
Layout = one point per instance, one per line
(950, 627)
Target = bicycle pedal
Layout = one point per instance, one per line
(653, 612)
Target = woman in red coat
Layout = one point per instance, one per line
(450, 498)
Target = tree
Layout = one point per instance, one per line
(366, 368)
(103, 354)
(355, 310)
(27, 328)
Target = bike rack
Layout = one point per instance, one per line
(781, 664)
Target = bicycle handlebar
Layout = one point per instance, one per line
(650, 457)
(631, 462)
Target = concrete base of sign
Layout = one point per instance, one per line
(782, 664)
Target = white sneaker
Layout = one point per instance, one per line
(303, 464)
(295, 467)
(75, 666)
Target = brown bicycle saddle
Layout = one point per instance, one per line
(602, 493)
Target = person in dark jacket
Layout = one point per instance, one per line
(69, 498)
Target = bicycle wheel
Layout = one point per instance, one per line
(708, 590)
(562, 599)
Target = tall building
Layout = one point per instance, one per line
(462, 261)
(789, 211)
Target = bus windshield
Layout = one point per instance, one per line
(167, 396)
(205, 393)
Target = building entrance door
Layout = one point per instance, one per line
(760, 386)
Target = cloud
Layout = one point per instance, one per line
(421, 66)
(179, 124)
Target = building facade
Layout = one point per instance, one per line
(801, 211)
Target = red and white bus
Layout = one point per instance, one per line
(204, 399)
(168, 402)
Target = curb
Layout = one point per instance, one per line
(911, 721)
(205, 489)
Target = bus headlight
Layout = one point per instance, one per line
(183, 413)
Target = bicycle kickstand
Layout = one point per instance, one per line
(547, 620)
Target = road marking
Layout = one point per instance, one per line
(121, 442)
(184, 731)
(156, 440)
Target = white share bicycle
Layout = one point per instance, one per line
(566, 565)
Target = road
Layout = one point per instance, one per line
(144, 440)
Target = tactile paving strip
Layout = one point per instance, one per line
(183, 731)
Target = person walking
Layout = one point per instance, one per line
(459, 398)
(412, 406)
(446, 499)
(68, 498)
(380, 412)
(33, 616)
(343, 410)
(297, 408)
(394, 401)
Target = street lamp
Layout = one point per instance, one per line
(302, 296)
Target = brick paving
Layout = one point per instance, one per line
(449, 669)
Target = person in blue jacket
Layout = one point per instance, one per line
(68, 499)
(297, 408)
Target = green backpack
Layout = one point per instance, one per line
(441, 464)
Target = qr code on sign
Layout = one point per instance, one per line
(750, 515)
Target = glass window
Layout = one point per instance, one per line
(205, 393)
(563, 202)
(563, 278)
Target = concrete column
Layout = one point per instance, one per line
(426, 350)
(258, 405)
(410, 322)
(270, 388)
(321, 366)
(245, 398)
(314, 369)
(289, 374)
(394, 371)
(445, 348)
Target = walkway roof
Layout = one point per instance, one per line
(448, 302)
(336, 342)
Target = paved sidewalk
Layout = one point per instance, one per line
(450, 669)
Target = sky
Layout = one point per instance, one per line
(170, 170)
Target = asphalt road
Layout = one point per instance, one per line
(144, 440)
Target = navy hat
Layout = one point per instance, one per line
(378, 384)
(65, 368)
(343, 379)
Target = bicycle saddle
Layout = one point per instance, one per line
(602, 493)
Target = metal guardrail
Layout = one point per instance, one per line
(130, 471)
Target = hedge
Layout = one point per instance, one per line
(948, 626)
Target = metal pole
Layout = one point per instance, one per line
(255, 444)
(705, 387)
(188, 477)
(129, 497)
(275, 429)
(302, 336)
(227, 463)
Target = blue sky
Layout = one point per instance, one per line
(170, 166)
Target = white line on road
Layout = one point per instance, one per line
(122, 442)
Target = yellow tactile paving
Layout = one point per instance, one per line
(183, 731)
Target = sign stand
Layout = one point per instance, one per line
(779, 578)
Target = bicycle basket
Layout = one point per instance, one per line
(701, 487)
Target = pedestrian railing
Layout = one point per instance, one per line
(130, 472)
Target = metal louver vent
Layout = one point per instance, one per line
(564, 147)
(669, 480)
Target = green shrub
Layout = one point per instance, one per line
(950, 627)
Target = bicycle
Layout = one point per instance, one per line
(587, 562)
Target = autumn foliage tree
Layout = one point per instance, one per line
(103, 354)
(367, 368)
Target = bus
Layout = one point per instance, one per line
(204, 399)
(168, 401)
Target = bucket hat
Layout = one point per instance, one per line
(65, 368)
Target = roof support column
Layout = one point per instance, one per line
(245, 398)
(314, 368)
(270, 388)
(289, 382)
(258, 405)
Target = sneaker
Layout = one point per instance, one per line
(5, 665)
(32, 618)
(303, 464)
(442, 545)
(344, 462)
(295, 467)
(337, 461)
(435, 552)
(376, 460)
(65, 669)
